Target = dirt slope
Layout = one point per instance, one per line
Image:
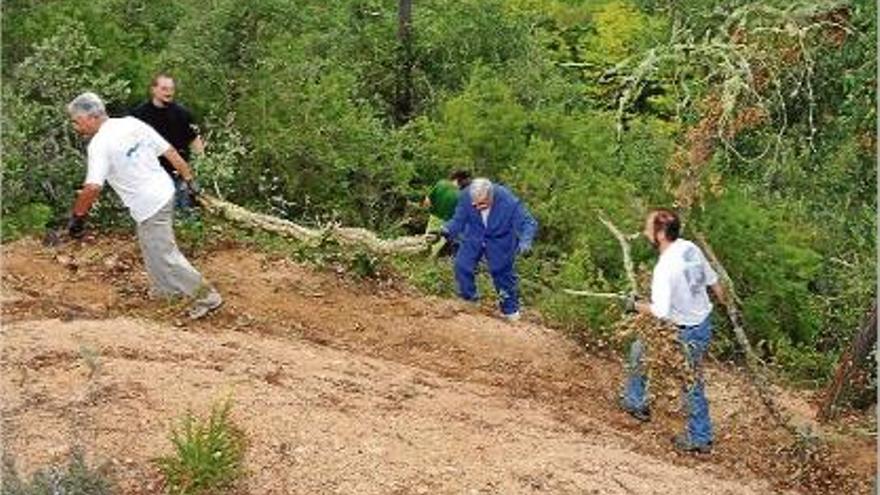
(351, 388)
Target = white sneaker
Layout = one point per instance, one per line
(512, 316)
(205, 305)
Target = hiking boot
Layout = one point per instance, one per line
(205, 305)
(683, 443)
(643, 415)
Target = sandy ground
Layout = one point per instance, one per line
(345, 387)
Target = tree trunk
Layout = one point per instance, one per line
(404, 104)
(850, 360)
(404, 19)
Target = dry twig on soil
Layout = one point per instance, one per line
(603, 295)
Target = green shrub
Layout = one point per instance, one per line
(453, 36)
(428, 274)
(208, 454)
(42, 158)
(75, 478)
(32, 218)
(773, 263)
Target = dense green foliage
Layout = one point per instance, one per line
(578, 106)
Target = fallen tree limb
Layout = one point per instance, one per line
(604, 295)
(732, 301)
(753, 363)
(343, 235)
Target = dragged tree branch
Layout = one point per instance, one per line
(753, 363)
(603, 295)
(856, 353)
(286, 228)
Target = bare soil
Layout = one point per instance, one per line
(360, 387)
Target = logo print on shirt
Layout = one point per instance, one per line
(693, 271)
(131, 151)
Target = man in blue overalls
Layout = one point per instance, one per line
(490, 221)
(678, 295)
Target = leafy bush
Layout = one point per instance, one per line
(28, 219)
(219, 169)
(773, 264)
(42, 158)
(208, 454)
(75, 478)
(483, 128)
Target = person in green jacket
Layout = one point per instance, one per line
(441, 202)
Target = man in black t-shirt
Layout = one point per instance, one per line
(174, 123)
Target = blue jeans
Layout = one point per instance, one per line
(694, 342)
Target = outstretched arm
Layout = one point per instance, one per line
(454, 226)
(86, 197)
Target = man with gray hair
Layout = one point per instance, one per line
(490, 221)
(124, 153)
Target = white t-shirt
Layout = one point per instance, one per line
(678, 287)
(125, 152)
(484, 213)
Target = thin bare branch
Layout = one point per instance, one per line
(624, 247)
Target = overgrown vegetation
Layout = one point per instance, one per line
(74, 478)
(208, 454)
(755, 117)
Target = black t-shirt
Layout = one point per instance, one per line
(172, 122)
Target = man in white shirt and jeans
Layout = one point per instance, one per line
(678, 295)
(124, 152)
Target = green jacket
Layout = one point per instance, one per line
(444, 198)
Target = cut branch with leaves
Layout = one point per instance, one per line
(753, 363)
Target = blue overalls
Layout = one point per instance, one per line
(510, 229)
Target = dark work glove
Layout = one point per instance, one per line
(629, 304)
(76, 227)
(194, 190)
(434, 235)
